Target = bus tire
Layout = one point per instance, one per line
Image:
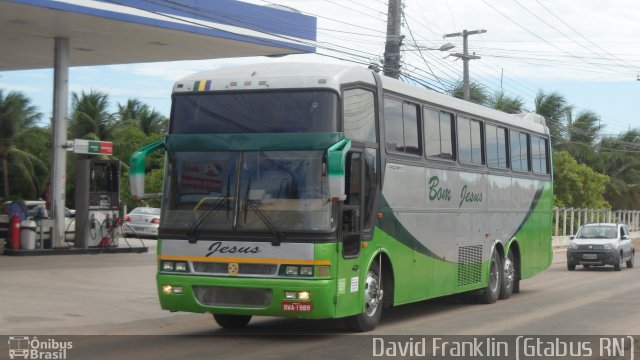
(509, 276)
(491, 293)
(373, 293)
(232, 321)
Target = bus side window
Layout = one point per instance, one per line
(359, 115)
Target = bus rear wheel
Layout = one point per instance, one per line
(491, 293)
(509, 277)
(369, 319)
(232, 321)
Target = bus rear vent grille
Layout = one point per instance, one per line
(469, 265)
(232, 297)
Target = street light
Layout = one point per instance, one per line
(446, 47)
(443, 47)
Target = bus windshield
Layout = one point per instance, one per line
(272, 191)
(261, 112)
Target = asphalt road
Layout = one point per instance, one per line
(114, 294)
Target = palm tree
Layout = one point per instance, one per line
(129, 111)
(477, 92)
(27, 174)
(585, 128)
(620, 161)
(505, 103)
(149, 121)
(553, 107)
(90, 118)
(582, 134)
(16, 114)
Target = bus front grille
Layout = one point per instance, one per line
(232, 297)
(222, 268)
(469, 265)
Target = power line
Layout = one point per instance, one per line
(421, 55)
(582, 36)
(531, 32)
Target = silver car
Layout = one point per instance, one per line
(142, 221)
(601, 244)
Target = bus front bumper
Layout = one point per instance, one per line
(247, 296)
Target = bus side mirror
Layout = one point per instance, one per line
(136, 170)
(336, 158)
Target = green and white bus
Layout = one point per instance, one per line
(327, 191)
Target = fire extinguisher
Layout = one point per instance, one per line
(14, 232)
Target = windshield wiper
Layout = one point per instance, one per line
(248, 203)
(218, 204)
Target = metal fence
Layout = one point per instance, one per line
(568, 220)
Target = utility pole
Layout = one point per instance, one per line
(394, 40)
(465, 58)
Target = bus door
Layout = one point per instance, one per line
(355, 227)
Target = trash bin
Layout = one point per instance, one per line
(28, 235)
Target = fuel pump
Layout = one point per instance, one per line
(97, 201)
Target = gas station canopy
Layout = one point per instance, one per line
(60, 34)
(134, 31)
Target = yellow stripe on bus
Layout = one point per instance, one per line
(201, 85)
(245, 260)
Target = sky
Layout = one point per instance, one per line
(586, 50)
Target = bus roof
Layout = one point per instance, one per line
(278, 76)
(294, 75)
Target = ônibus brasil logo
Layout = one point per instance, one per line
(26, 347)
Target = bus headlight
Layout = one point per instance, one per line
(181, 266)
(297, 295)
(306, 271)
(170, 289)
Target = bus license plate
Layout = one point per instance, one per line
(290, 306)
(590, 256)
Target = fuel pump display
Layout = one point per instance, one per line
(97, 201)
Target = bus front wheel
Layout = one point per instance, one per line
(232, 321)
(369, 319)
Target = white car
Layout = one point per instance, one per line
(601, 244)
(142, 221)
